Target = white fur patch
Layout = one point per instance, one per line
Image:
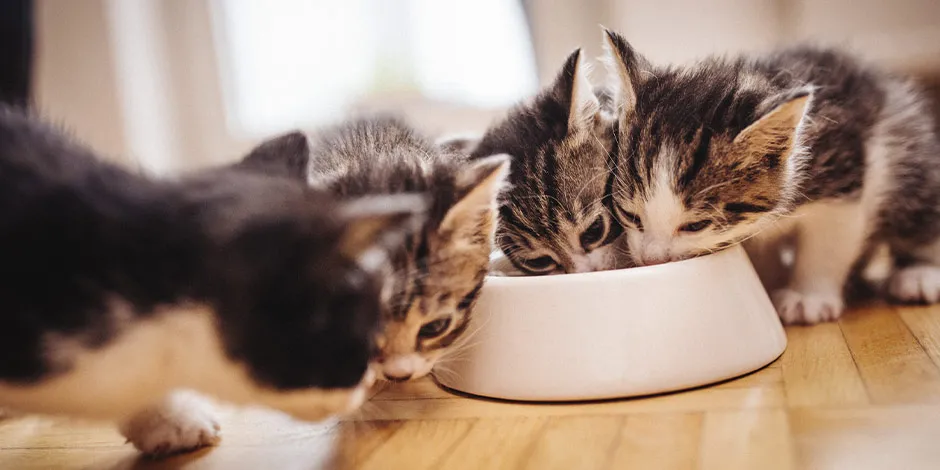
(919, 283)
(183, 421)
(662, 214)
(796, 307)
(178, 348)
(134, 371)
(830, 237)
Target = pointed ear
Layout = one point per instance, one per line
(573, 88)
(286, 155)
(379, 222)
(627, 66)
(462, 144)
(776, 134)
(478, 186)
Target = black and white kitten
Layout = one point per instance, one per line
(435, 277)
(117, 289)
(804, 144)
(554, 218)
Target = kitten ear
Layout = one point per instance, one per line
(460, 143)
(573, 88)
(286, 155)
(776, 134)
(379, 221)
(478, 186)
(627, 65)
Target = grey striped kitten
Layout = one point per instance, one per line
(554, 218)
(804, 145)
(434, 279)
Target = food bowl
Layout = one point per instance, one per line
(614, 334)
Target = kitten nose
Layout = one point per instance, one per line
(399, 368)
(654, 260)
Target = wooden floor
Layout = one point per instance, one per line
(862, 393)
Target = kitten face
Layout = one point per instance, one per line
(294, 280)
(433, 279)
(554, 218)
(440, 273)
(706, 156)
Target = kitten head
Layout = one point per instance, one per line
(438, 275)
(554, 218)
(706, 154)
(435, 275)
(295, 284)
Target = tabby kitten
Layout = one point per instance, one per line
(117, 289)
(554, 218)
(803, 143)
(435, 277)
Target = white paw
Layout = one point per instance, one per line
(182, 423)
(916, 284)
(796, 307)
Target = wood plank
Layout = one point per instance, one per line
(68, 458)
(861, 394)
(424, 388)
(418, 445)
(818, 368)
(496, 444)
(766, 377)
(867, 438)
(661, 441)
(575, 442)
(746, 440)
(924, 323)
(357, 442)
(893, 365)
(714, 398)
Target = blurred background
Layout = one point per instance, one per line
(171, 85)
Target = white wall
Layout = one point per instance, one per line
(139, 79)
(75, 82)
(903, 34)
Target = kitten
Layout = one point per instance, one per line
(435, 277)
(805, 143)
(554, 218)
(117, 289)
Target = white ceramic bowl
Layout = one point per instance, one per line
(620, 333)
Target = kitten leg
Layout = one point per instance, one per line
(918, 281)
(183, 421)
(767, 257)
(830, 236)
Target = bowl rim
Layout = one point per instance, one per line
(656, 269)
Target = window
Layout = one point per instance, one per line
(300, 63)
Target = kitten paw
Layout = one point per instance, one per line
(796, 307)
(916, 284)
(182, 423)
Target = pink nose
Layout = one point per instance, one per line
(649, 259)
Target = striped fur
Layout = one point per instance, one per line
(716, 153)
(434, 279)
(554, 218)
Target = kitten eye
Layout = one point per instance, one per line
(632, 218)
(540, 264)
(434, 328)
(594, 233)
(695, 226)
